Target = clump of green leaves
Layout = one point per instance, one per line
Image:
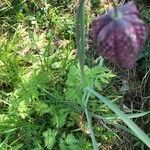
(46, 93)
(96, 77)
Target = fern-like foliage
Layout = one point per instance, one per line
(49, 138)
(95, 77)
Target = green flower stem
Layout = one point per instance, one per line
(80, 41)
(115, 8)
(80, 36)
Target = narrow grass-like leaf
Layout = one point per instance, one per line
(139, 133)
(88, 116)
(136, 115)
(113, 123)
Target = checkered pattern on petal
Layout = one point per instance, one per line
(120, 40)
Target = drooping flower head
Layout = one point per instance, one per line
(119, 38)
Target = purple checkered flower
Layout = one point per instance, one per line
(119, 38)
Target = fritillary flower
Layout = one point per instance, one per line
(120, 36)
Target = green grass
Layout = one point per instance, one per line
(44, 72)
